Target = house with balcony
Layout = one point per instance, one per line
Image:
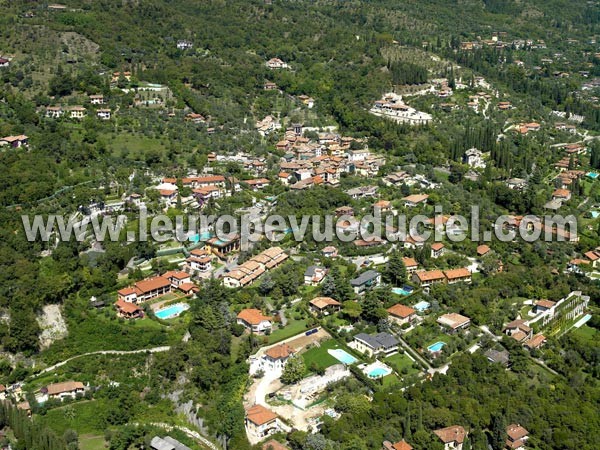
(365, 281)
(453, 322)
(313, 275)
(375, 344)
(452, 437)
(60, 391)
(254, 320)
(324, 306)
(262, 422)
(401, 314)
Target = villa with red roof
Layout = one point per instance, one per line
(401, 314)
(402, 445)
(253, 319)
(410, 264)
(275, 358)
(452, 437)
(145, 290)
(516, 437)
(437, 249)
(128, 310)
(262, 422)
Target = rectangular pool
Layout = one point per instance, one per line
(342, 356)
(172, 311)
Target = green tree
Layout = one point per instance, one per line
(395, 270)
(294, 370)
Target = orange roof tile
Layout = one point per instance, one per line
(454, 433)
(259, 415)
(280, 351)
(322, 302)
(253, 316)
(457, 273)
(401, 311)
(409, 262)
(430, 275)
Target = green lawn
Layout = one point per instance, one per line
(389, 381)
(291, 329)
(91, 442)
(135, 146)
(401, 363)
(525, 311)
(319, 355)
(586, 332)
(85, 418)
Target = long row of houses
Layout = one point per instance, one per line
(129, 298)
(75, 112)
(431, 277)
(256, 266)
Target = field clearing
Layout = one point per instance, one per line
(134, 147)
(91, 442)
(319, 357)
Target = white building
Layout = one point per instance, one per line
(474, 158)
(253, 319)
(103, 114)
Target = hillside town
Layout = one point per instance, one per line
(276, 226)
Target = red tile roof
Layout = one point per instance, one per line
(127, 307)
(409, 262)
(322, 302)
(402, 445)
(457, 273)
(274, 445)
(67, 386)
(253, 316)
(482, 249)
(430, 275)
(454, 433)
(401, 311)
(280, 351)
(259, 415)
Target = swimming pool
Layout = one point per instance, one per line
(593, 175)
(581, 322)
(204, 236)
(379, 372)
(172, 311)
(436, 347)
(404, 290)
(342, 356)
(422, 306)
(595, 214)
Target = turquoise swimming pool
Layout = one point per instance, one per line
(593, 175)
(172, 311)
(422, 306)
(404, 290)
(379, 372)
(581, 322)
(342, 356)
(204, 236)
(436, 347)
(595, 214)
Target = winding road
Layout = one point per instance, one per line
(102, 352)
